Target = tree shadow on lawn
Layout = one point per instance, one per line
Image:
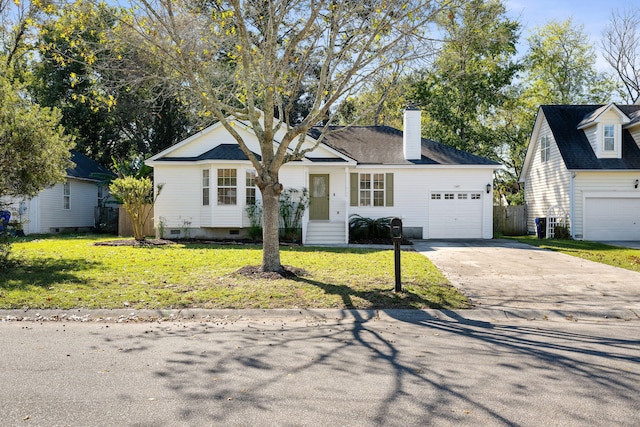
(378, 298)
(44, 272)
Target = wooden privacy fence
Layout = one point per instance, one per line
(510, 220)
(125, 228)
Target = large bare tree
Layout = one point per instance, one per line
(250, 60)
(621, 48)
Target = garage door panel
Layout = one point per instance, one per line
(611, 218)
(455, 215)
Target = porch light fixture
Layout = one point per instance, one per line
(635, 184)
(489, 187)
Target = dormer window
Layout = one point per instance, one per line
(609, 145)
(603, 129)
(609, 138)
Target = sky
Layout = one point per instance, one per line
(594, 15)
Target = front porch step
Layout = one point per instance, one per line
(325, 233)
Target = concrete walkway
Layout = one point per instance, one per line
(508, 275)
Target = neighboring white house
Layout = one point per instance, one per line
(583, 164)
(373, 171)
(64, 207)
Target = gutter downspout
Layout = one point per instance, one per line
(572, 204)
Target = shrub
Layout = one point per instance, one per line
(255, 219)
(561, 232)
(135, 194)
(369, 228)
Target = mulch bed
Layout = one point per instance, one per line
(287, 272)
(379, 241)
(136, 243)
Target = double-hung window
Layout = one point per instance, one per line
(545, 148)
(609, 138)
(227, 186)
(206, 187)
(250, 183)
(372, 189)
(66, 195)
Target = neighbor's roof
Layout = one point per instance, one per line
(573, 144)
(384, 145)
(86, 168)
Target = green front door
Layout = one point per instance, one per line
(319, 200)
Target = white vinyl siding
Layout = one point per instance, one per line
(181, 198)
(547, 183)
(46, 212)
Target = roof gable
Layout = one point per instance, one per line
(599, 114)
(216, 143)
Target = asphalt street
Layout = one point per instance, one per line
(341, 368)
(553, 340)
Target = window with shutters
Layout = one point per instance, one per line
(371, 189)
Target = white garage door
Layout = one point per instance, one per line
(609, 218)
(455, 215)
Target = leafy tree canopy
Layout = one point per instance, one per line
(34, 150)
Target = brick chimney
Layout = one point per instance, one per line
(412, 134)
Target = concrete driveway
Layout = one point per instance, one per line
(503, 274)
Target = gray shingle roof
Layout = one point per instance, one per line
(366, 145)
(574, 145)
(384, 145)
(86, 168)
(220, 152)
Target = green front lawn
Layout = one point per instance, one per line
(71, 272)
(593, 251)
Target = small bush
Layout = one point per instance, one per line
(561, 232)
(254, 212)
(369, 228)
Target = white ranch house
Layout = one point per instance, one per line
(373, 171)
(582, 168)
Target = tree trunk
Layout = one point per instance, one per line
(270, 227)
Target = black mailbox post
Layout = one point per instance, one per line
(396, 235)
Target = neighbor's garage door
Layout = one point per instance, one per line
(455, 215)
(609, 218)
